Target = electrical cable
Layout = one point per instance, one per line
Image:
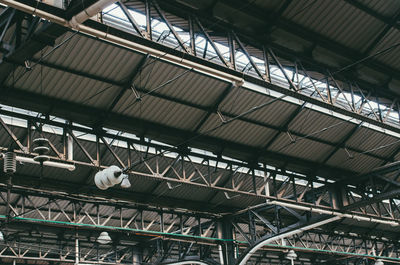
(367, 58)
(315, 133)
(157, 88)
(381, 52)
(42, 57)
(173, 148)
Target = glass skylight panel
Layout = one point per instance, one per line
(242, 62)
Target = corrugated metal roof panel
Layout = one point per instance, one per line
(373, 142)
(391, 38)
(195, 89)
(360, 163)
(336, 20)
(240, 201)
(90, 56)
(180, 83)
(321, 126)
(386, 8)
(238, 131)
(160, 111)
(62, 85)
(240, 100)
(267, 5)
(183, 192)
(302, 148)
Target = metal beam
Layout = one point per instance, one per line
(293, 28)
(210, 110)
(70, 110)
(214, 107)
(383, 33)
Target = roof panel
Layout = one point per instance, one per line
(359, 163)
(302, 148)
(237, 131)
(386, 8)
(373, 142)
(160, 111)
(180, 83)
(90, 56)
(241, 100)
(390, 39)
(336, 20)
(313, 124)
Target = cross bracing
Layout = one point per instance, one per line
(270, 149)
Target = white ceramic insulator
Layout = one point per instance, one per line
(105, 179)
(10, 163)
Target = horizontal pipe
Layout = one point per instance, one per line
(335, 213)
(193, 238)
(81, 225)
(23, 159)
(265, 242)
(186, 262)
(89, 12)
(126, 43)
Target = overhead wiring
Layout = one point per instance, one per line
(26, 70)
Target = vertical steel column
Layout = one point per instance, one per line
(137, 256)
(266, 65)
(76, 248)
(232, 50)
(148, 20)
(226, 250)
(192, 36)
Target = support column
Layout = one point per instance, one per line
(226, 249)
(137, 256)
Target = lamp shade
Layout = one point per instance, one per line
(291, 255)
(126, 184)
(104, 238)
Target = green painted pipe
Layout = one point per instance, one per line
(157, 233)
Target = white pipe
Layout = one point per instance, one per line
(336, 213)
(23, 159)
(221, 255)
(160, 54)
(34, 11)
(285, 235)
(187, 262)
(89, 12)
(126, 43)
(70, 148)
(290, 205)
(76, 249)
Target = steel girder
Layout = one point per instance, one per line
(231, 178)
(198, 170)
(373, 191)
(13, 97)
(327, 97)
(45, 225)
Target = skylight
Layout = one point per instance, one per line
(114, 16)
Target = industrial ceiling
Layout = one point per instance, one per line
(242, 126)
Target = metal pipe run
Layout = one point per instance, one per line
(89, 12)
(187, 262)
(267, 241)
(123, 42)
(336, 213)
(23, 159)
